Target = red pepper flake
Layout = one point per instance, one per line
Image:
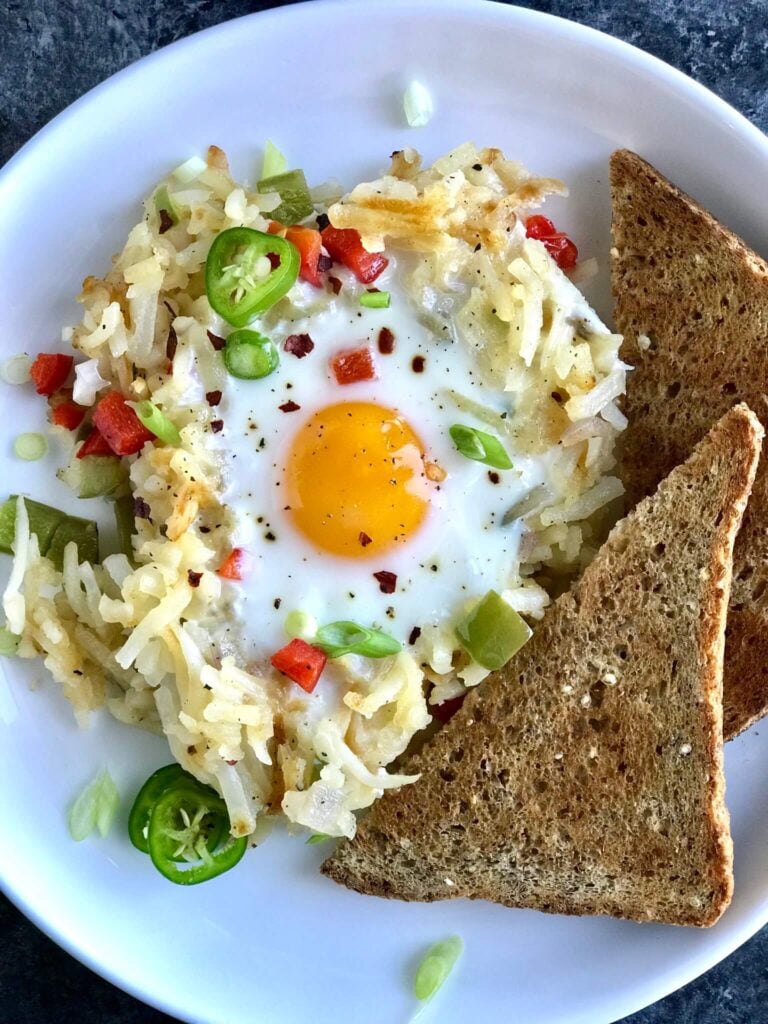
(231, 763)
(335, 284)
(141, 509)
(213, 397)
(171, 343)
(274, 260)
(289, 407)
(493, 476)
(387, 581)
(364, 539)
(298, 345)
(414, 635)
(194, 578)
(353, 365)
(217, 426)
(324, 263)
(217, 342)
(386, 341)
(166, 221)
(418, 363)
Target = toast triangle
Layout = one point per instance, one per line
(700, 296)
(586, 777)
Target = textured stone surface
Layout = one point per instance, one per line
(55, 50)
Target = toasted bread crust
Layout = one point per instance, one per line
(701, 295)
(586, 777)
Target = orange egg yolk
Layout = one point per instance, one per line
(355, 479)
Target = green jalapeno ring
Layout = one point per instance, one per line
(235, 284)
(248, 355)
(180, 825)
(156, 785)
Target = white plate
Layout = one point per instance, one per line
(274, 941)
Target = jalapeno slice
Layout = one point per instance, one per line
(249, 355)
(157, 784)
(247, 271)
(146, 798)
(181, 824)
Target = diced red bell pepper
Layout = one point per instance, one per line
(445, 711)
(539, 227)
(562, 250)
(353, 365)
(50, 371)
(233, 567)
(344, 246)
(309, 243)
(64, 412)
(559, 246)
(94, 444)
(122, 428)
(301, 662)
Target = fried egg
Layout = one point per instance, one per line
(351, 500)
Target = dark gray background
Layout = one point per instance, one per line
(51, 52)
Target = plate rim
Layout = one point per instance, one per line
(756, 916)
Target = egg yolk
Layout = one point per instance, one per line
(355, 479)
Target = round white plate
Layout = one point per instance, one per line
(274, 941)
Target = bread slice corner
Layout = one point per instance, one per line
(691, 300)
(586, 777)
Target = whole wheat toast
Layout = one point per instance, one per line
(586, 777)
(700, 296)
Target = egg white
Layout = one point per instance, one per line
(461, 549)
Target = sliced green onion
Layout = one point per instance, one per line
(435, 966)
(107, 803)
(16, 369)
(295, 200)
(94, 808)
(190, 170)
(274, 161)
(30, 447)
(9, 642)
(417, 104)
(248, 355)
(476, 444)
(300, 626)
(493, 632)
(375, 300)
(339, 638)
(163, 201)
(158, 423)
(95, 476)
(317, 837)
